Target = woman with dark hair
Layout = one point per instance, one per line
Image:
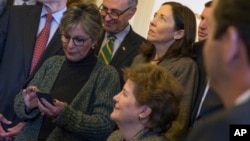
(147, 104)
(170, 38)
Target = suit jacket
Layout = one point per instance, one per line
(18, 30)
(217, 126)
(214, 104)
(2, 6)
(10, 2)
(126, 52)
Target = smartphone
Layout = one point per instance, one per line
(46, 96)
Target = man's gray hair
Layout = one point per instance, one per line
(132, 2)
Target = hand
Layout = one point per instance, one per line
(30, 98)
(51, 110)
(3, 120)
(11, 132)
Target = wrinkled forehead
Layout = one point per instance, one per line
(115, 4)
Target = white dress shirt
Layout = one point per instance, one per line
(243, 98)
(119, 38)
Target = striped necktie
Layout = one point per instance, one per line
(107, 49)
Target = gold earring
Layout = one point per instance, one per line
(140, 117)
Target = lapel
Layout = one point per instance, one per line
(127, 48)
(30, 26)
(196, 98)
(10, 2)
(99, 43)
(54, 48)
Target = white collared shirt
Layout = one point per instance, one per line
(202, 99)
(54, 23)
(243, 98)
(119, 38)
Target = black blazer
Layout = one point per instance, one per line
(18, 29)
(10, 2)
(2, 6)
(214, 103)
(217, 126)
(126, 52)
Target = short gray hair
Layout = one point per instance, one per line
(132, 2)
(87, 14)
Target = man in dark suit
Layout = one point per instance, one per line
(227, 63)
(205, 102)
(2, 6)
(116, 16)
(18, 31)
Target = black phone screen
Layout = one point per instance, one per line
(46, 96)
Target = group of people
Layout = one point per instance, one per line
(149, 89)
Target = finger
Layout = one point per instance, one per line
(18, 127)
(8, 139)
(4, 134)
(57, 102)
(24, 91)
(2, 131)
(31, 89)
(34, 89)
(46, 103)
(42, 107)
(12, 132)
(8, 134)
(4, 120)
(59, 105)
(50, 110)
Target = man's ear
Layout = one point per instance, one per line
(132, 11)
(232, 40)
(179, 34)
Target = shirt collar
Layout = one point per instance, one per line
(121, 35)
(56, 16)
(243, 98)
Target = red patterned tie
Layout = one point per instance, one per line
(41, 42)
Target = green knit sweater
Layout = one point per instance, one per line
(87, 117)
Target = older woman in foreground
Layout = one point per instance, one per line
(147, 104)
(82, 86)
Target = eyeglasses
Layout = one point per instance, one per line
(78, 40)
(113, 14)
